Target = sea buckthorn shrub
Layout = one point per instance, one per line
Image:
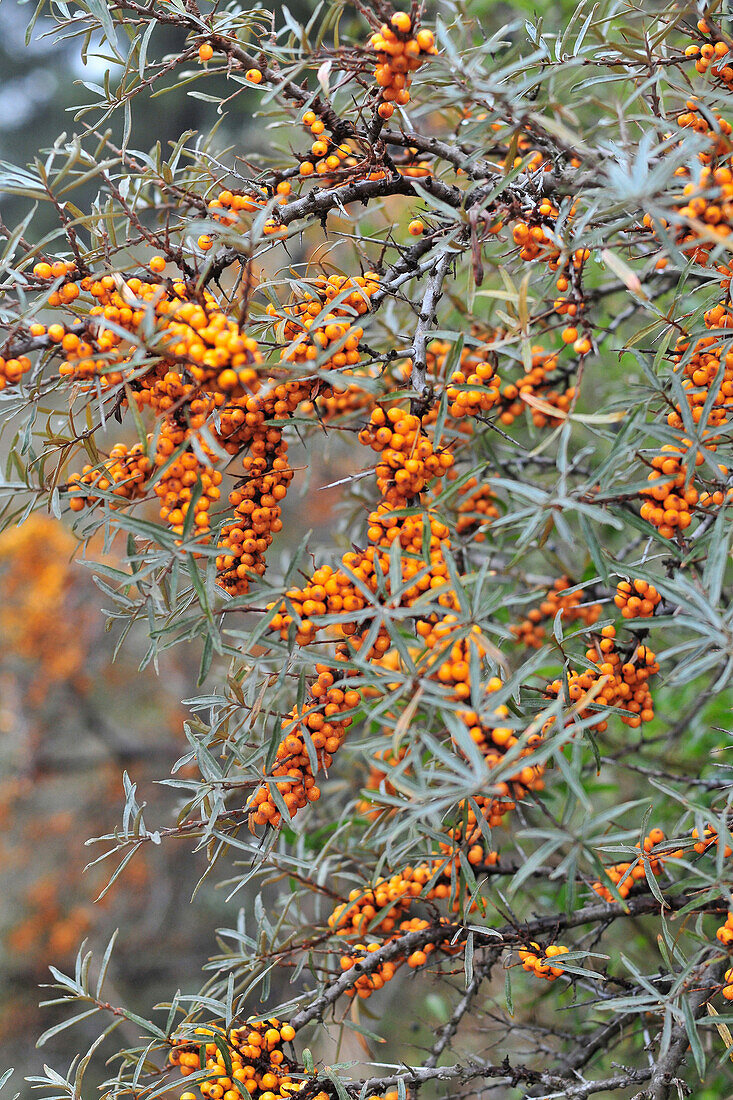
(411, 419)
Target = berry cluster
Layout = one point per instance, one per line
(477, 392)
(324, 720)
(238, 201)
(611, 681)
(124, 474)
(320, 325)
(711, 55)
(256, 502)
(449, 654)
(477, 368)
(636, 599)
(725, 935)
(49, 272)
(176, 486)
(672, 494)
(407, 459)
(326, 156)
(366, 984)
(626, 874)
(400, 50)
(253, 1060)
(535, 235)
(708, 375)
(572, 605)
(709, 839)
(539, 962)
(342, 591)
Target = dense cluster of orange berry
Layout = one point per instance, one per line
(710, 122)
(248, 1058)
(342, 592)
(707, 375)
(407, 459)
(509, 398)
(573, 606)
(672, 494)
(703, 212)
(400, 50)
(230, 203)
(256, 502)
(179, 476)
(625, 875)
(708, 383)
(198, 372)
(543, 963)
(324, 721)
(535, 235)
(611, 681)
(636, 599)
(711, 54)
(322, 325)
(208, 365)
(376, 979)
(475, 392)
(124, 475)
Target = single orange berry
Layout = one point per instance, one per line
(306, 168)
(415, 228)
(401, 22)
(385, 110)
(157, 264)
(205, 242)
(206, 52)
(569, 335)
(254, 76)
